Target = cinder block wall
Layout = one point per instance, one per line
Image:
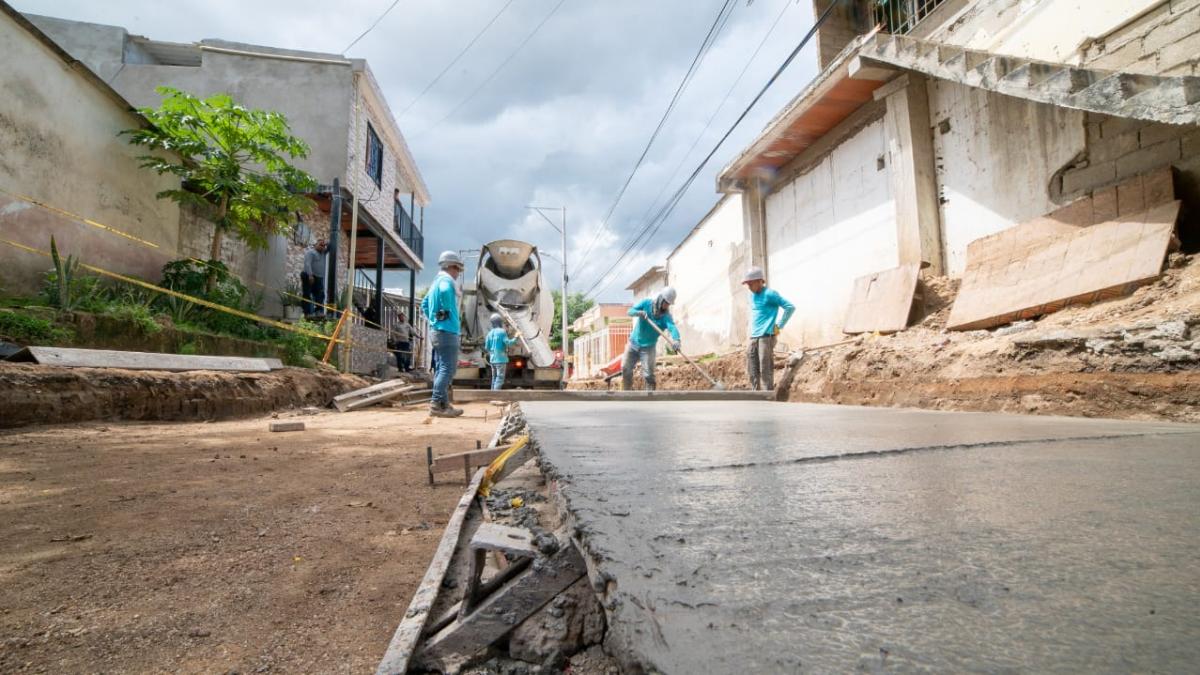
(1163, 41)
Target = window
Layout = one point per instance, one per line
(374, 156)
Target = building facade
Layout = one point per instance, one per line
(935, 123)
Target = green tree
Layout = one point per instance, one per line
(233, 159)
(577, 304)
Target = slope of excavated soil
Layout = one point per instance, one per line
(1136, 357)
(35, 394)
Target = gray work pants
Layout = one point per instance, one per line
(760, 362)
(633, 354)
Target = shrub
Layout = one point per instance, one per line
(29, 330)
(66, 289)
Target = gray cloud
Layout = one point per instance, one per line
(561, 124)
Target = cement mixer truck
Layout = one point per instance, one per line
(508, 282)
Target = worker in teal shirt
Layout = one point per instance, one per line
(765, 304)
(643, 340)
(440, 306)
(497, 343)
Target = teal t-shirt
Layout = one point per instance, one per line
(764, 308)
(497, 343)
(442, 295)
(643, 334)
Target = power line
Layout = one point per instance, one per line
(372, 26)
(456, 58)
(497, 70)
(653, 225)
(709, 38)
(729, 92)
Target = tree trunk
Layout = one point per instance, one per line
(214, 252)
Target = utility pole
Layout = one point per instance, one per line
(566, 342)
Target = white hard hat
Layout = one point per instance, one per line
(448, 258)
(496, 320)
(755, 274)
(666, 295)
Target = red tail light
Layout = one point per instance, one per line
(518, 363)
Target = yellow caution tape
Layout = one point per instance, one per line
(497, 464)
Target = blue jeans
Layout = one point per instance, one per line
(634, 354)
(445, 351)
(498, 375)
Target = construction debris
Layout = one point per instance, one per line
(287, 426)
(368, 396)
(882, 302)
(107, 358)
(1008, 278)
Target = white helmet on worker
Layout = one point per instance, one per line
(755, 274)
(664, 299)
(449, 259)
(496, 320)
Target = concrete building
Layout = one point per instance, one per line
(936, 122)
(705, 269)
(649, 283)
(600, 315)
(332, 102)
(59, 126)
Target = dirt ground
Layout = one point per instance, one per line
(219, 547)
(1136, 357)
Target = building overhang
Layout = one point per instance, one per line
(396, 254)
(647, 276)
(842, 88)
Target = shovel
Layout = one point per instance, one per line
(715, 385)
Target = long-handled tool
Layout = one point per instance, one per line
(670, 340)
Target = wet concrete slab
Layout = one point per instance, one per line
(597, 395)
(754, 537)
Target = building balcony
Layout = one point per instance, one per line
(408, 231)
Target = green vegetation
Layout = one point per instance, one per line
(577, 304)
(25, 329)
(230, 159)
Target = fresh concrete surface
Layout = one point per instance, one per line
(753, 537)
(597, 395)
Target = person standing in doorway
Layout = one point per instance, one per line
(765, 304)
(312, 280)
(643, 339)
(497, 343)
(445, 326)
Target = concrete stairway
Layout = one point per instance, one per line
(1172, 100)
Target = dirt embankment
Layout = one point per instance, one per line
(1136, 357)
(35, 394)
(219, 547)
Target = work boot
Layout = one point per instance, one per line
(444, 410)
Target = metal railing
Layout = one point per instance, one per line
(408, 231)
(901, 16)
(596, 349)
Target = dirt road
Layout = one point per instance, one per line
(218, 547)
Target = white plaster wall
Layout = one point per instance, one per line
(831, 224)
(705, 271)
(1050, 30)
(59, 144)
(995, 161)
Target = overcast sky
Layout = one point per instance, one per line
(561, 124)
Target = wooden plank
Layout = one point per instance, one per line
(404, 640)
(475, 458)
(106, 358)
(287, 426)
(514, 541)
(504, 609)
(1004, 281)
(882, 301)
(347, 406)
(365, 391)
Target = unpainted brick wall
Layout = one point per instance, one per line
(1163, 41)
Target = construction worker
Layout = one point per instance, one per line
(643, 339)
(765, 304)
(440, 305)
(497, 343)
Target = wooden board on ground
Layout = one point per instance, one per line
(882, 301)
(368, 396)
(1007, 280)
(287, 426)
(106, 358)
(404, 640)
(473, 459)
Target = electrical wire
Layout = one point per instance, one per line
(455, 60)
(709, 38)
(652, 226)
(372, 26)
(495, 72)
